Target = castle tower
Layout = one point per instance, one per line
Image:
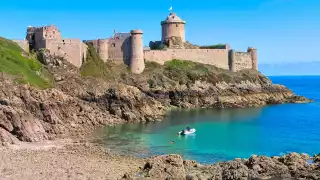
(137, 60)
(173, 26)
(254, 57)
(232, 59)
(103, 49)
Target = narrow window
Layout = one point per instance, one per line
(113, 45)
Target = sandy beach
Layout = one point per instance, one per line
(63, 159)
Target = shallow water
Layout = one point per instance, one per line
(228, 133)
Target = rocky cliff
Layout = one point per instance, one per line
(108, 94)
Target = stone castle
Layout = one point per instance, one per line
(128, 48)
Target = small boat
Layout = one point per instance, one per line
(187, 131)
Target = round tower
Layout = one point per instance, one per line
(232, 59)
(173, 26)
(103, 49)
(136, 60)
(254, 57)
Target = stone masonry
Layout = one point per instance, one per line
(49, 38)
(128, 48)
(174, 46)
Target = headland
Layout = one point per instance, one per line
(61, 90)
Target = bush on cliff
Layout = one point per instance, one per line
(13, 60)
(184, 71)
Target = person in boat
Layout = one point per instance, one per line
(188, 128)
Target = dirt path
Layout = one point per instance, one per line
(63, 160)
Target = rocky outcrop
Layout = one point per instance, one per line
(291, 166)
(130, 104)
(30, 114)
(76, 105)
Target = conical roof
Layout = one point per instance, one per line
(173, 18)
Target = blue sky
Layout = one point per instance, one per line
(282, 30)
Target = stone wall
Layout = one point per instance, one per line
(243, 60)
(38, 39)
(94, 44)
(24, 44)
(73, 50)
(216, 57)
(119, 50)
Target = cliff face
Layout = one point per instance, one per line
(76, 105)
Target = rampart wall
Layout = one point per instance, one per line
(243, 60)
(119, 50)
(24, 44)
(216, 57)
(73, 50)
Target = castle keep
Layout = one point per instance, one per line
(128, 48)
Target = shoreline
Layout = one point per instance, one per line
(81, 159)
(64, 159)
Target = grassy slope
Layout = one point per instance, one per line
(28, 70)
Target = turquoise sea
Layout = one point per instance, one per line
(229, 133)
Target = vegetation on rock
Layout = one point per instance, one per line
(216, 46)
(13, 60)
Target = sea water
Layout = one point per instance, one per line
(229, 133)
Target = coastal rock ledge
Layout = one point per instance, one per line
(291, 166)
(79, 100)
(74, 109)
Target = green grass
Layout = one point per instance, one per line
(188, 72)
(216, 46)
(28, 70)
(185, 71)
